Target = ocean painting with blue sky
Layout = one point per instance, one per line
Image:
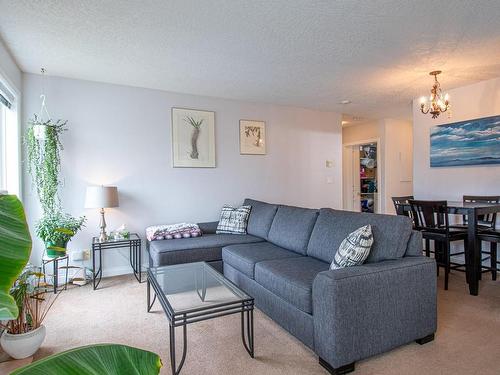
(473, 142)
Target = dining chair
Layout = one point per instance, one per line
(400, 202)
(431, 218)
(486, 223)
(399, 206)
(493, 237)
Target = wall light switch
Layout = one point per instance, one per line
(329, 163)
(329, 180)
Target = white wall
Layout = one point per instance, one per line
(121, 135)
(469, 102)
(398, 160)
(9, 69)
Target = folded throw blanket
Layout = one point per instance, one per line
(171, 231)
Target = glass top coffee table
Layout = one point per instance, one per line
(193, 292)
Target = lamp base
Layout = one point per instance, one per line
(103, 237)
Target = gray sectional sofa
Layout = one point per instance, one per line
(343, 315)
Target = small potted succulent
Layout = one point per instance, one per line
(56, 230)
(23, 336)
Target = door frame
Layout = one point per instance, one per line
(348, 176)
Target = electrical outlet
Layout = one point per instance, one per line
(86, 254)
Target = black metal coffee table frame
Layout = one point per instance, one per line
(182, 319)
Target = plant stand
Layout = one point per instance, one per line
(56, 265)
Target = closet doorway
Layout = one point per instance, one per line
(362, 177)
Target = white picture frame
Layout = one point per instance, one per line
(193, 138)
(252, 137)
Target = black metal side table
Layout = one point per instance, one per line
(134, 245)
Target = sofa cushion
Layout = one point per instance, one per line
(205, 248)
(244, 257)
(291, 279)
(233, 220)
(292, 228)
(390, 234)
(354, 249)
(261, 217)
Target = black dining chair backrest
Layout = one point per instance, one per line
(400, 202)
(487, 219)
(431, 216)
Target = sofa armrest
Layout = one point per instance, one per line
(369, 309)
(208, 228)
(414, 248)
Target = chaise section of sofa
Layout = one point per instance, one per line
(208, 247)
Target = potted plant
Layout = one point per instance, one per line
(23, 336)
(56, 230)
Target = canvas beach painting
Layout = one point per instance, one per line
(473, 142)
(193, 138)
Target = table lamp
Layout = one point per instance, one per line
(101, 197)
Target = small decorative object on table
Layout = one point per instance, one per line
(120, 233)
(134, 245)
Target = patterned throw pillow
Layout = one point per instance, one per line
(355, 248)
(233, 220)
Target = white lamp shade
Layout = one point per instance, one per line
(101, 197)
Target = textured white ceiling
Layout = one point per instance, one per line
(376, 53)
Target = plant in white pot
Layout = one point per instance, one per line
(23, 336)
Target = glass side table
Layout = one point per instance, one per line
(134, 245)
(56, 261)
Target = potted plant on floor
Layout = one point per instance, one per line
(56, 230)
(24, 335)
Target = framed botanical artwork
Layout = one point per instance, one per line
(193, 138)
(252, 137)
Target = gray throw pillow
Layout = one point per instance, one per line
(355, 248)
(233, 220)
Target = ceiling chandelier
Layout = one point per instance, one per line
(437, 102)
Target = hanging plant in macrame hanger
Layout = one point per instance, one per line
(43, 148)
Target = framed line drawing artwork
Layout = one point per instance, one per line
(252, 137)
(193, 138)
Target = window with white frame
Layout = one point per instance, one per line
(9, 140)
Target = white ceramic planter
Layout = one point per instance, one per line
(23, 345)
(40, 132)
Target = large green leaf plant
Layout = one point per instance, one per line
(15, 250)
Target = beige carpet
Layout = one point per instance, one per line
(467, 341)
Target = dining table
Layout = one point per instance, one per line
(472, 210)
